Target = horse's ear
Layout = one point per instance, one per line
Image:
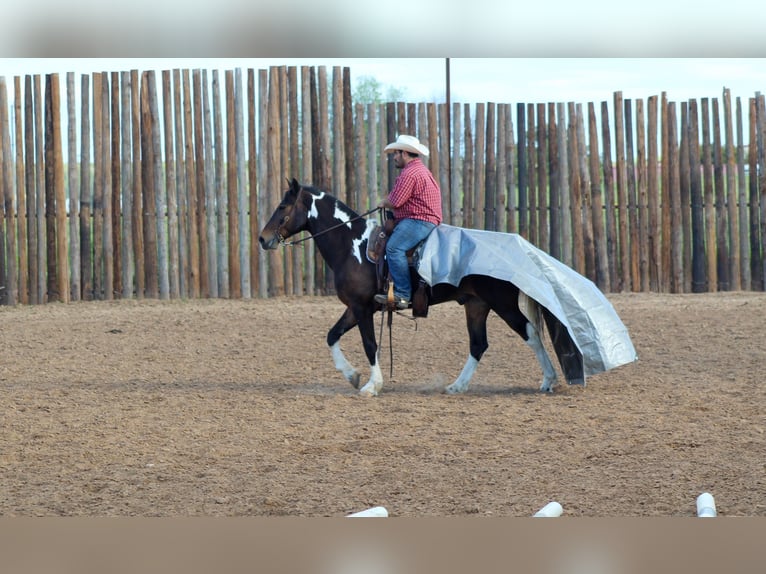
(295, 185)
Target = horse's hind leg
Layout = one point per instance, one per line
(530, 332)
(346, 322)
(476, 312)
(536, 344)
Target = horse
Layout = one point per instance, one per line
(342, 235)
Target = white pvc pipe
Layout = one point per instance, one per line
(374, 512)
(550, 510)
(706, 506)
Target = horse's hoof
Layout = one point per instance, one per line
(367, 391)
(354, 380)
(547, 386)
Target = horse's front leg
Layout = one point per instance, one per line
(367, 331)
(346, 322)
(476, 312)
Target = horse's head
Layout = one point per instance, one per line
(289, 218)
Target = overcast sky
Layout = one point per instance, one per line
(502, 80)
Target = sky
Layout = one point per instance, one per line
(472, 80)
(499, 51)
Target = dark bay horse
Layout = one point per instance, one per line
(341, 236)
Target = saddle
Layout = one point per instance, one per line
(376, 253)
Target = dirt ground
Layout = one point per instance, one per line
(234, 408)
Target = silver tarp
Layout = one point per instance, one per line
(450, 253)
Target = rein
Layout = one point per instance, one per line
(334, 227)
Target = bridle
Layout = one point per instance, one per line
(286, 218)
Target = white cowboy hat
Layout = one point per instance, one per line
(407, 143)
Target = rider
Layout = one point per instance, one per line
(417, 206)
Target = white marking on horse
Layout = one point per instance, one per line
(549, 373)
(314, 212)
(373, 386)
(356, 245)
(342, 364)
(461, 383)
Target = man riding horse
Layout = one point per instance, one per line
(417, 206)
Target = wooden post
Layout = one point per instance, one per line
(239, 156)
(469, 217)
(276, 269)
(295, 162)
(653, 196)
(11, 257)
(553, 244)
(663, 201)
(347, 111)
(575, 204)
(98, 187)
(359, 160)
(42, 203)
(263, 175)
(21, 194)
(761, 138)
(685, 199)
(490, 170)
(235, 271)
(501, 193)
(211, 219)
(597, 211)
(200, 220)
(709, 200)
(615, 282)
(181, 187)
(285, 167)
(756, 258)
(456, 189)
(149, 190)
(74, 191)
(523, 173)
(126, 245)
(307, 167)
(116, 187)
(699, 275)
(107, 243)
(254, 221)
(622, 194)
(31, 186)
(222, 242)
(564, 193)
(189, 215)
(138, 186)
(632, 252)
(86, 245)
(587, 204)
(673, 198)
(479, 175)
(541, 231)
(441, 149)
(744, 236)
(172, 190)
(160, 198)
(735, 280)
(719, 201)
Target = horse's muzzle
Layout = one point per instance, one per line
(268, 243)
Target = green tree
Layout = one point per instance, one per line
(369, 90)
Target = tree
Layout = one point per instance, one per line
(368, 90)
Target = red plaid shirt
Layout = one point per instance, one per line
(416, 195)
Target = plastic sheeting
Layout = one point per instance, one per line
(449, 253)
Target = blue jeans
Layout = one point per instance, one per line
(407, 234)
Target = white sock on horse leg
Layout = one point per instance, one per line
(549, 373)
